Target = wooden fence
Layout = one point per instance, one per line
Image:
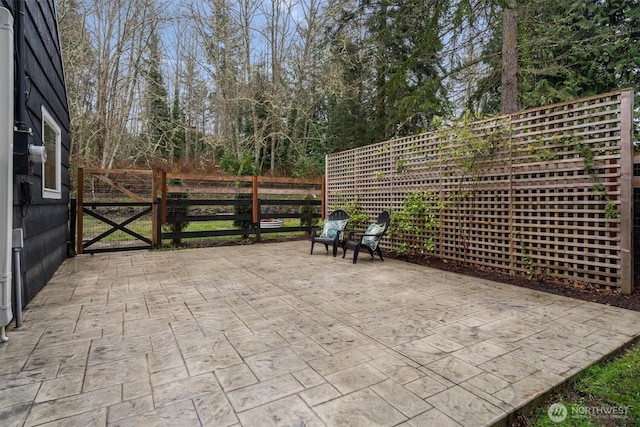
(255, 204)
(139, 209)
(546, 192)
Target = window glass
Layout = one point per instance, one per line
(51, 168)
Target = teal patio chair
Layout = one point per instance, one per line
(369, 239)
(332, 231)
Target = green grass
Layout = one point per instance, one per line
(93, 228)
(607, 394)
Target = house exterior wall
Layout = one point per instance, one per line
(45, 220)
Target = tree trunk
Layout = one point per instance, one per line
(510, 58)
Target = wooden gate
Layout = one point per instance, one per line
(116, 210)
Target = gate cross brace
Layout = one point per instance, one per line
(116, 226)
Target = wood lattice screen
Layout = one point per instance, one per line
(549, 191)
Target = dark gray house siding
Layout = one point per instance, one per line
(45, 220)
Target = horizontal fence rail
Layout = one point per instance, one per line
(546, 192)
(248, 205)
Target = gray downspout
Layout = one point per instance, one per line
(6, 167)
(17, 245)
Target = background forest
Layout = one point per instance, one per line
(274, 85)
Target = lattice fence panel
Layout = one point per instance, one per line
(538, 193)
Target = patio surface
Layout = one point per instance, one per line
(268, 335)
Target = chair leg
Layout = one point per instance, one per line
(379, 253)
(326, 247)
(344, 250)
(356, 252)
(335, 247)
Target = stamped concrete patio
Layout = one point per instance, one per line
(269, 335)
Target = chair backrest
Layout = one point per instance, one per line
(385, 218)
(372, 240)
(335, 224)
(338, 214)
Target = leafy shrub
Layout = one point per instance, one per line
(231, 164)
(177, 210)
(307, 213)
(419, 217)
(358, 220)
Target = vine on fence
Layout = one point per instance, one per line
(467, 150)
(599, 189)
(419, 216)
(530, 266)
(358, 220)
(466, 147)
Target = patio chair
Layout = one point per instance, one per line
(332, 232)
(369, 239)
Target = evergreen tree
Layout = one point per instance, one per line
(157, 114)
(178, 139)
(348, 107)
(388, 54)
(570, 49)
(409, 83)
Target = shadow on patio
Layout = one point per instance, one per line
(268, 335)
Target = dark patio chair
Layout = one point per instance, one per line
(332, 232)
(369, 239)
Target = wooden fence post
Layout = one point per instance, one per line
(163, 201)
(155, 209)
(255, 208)
(158, 222)
(626, 192)
(254, 198)
(73, 223)
(80, 197)
(323, 200)
(511, 228)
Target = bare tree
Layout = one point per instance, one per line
(510, 57)
(256, 78)
(278, 30)
(308, 76)
(119, 32)
(250, 87)
(218, 34)
(79, 64)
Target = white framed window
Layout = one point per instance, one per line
(51, 174)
